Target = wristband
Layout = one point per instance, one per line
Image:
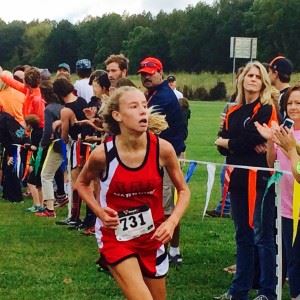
(298, 167)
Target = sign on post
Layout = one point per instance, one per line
(242, 47)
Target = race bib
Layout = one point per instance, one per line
(134, 223)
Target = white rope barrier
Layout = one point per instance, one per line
(235, 166)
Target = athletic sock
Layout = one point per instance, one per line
(174, 251)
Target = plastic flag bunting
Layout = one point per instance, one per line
(275, 178)
(190, 171)
(296, 209)
(17, 160)
(211, 170)
(187, 177)
(227, 174)
(64, 155)
(38, 160)
(27, 164)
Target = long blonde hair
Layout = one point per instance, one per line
(265, 92)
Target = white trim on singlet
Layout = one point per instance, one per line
(104, 185)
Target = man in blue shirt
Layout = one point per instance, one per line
(162, 98)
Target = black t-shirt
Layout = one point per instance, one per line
(77, 107)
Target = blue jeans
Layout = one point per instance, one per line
(226, 209)
(292, 255)
(250, 241)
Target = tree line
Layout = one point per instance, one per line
(192, 40)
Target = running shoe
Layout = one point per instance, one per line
(176, 260)
(46, 213)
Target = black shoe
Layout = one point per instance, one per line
(69, 222)
(61, 201)
(74, 224)
(77, 225)
(175, 261)
(215, 214)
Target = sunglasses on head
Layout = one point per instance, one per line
(149, 65)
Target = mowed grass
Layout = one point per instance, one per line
(206, 80)
(40, 260)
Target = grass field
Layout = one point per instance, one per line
(206, 80)
(40, 260)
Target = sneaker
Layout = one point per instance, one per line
(74, 224)
(32, 209)
(41, 208)
(77, 225)
(261, 297)
(214, 214)
(88, 231)
(61, 202)
(175, 261)
(46, 213)
(35, 208)
(68, 221)
(224, 296)
(230, 269)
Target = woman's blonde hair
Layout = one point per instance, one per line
(265, 92)
(156, 122)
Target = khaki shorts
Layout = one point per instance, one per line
(168, 194)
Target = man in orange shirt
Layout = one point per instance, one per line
(11, 100)
(34, 103)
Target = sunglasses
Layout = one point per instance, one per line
(149, 65)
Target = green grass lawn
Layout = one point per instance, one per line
(40, 260)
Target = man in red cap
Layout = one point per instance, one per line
(164, 101)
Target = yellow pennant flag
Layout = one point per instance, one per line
(175, 196)
(296, 208)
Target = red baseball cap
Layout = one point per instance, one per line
(150, 65)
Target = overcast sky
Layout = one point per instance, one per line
(76, 10)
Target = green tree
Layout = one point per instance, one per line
(87, 36)
(230, 23)
(35, 35)
(276, 23)
(191, 43)
(12, 43)
(110, 34)
(142, 42)
(61, 45)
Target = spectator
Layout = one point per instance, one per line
(253, 219)
(280, 70)
(161, 97)
(81, 86)
(172, 84)
(116, 67)
(286, 153)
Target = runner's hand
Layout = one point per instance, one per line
(110, 218)
(164, 232)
